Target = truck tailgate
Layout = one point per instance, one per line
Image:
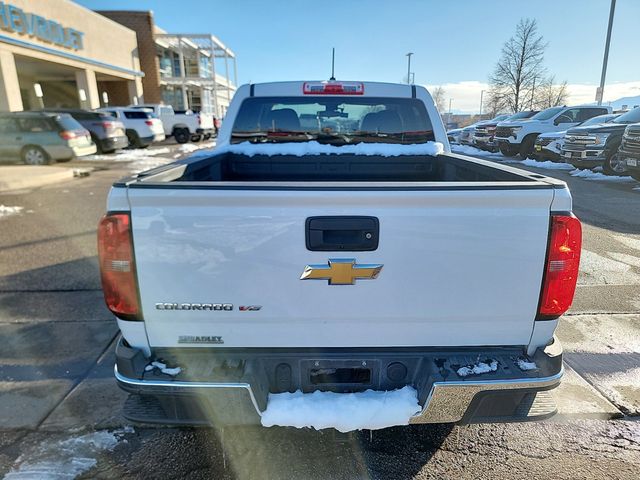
(460, 267)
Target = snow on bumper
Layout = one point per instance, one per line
(433, 393)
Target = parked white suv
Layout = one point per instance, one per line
(182, 126)
(519, 137)
(141, 125)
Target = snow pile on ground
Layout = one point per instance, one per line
(66, 458)
(589, 175)
(371, 410)
(474, 152)
(478, 368)
(128, 155)
(6, 211)
(163, 368)
(548, 165)
(192, 147)
(525, 365)
(300, 149)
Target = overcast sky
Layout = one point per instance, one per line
(455, 43)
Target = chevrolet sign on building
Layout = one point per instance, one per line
(66, 55)
(14, 19)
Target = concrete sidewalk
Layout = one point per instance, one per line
(18, 177)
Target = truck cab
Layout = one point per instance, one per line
(518, 137)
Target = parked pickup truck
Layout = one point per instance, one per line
(629, 151)
(518, 137)
(597, 145)
(356, 254)
(182, 126)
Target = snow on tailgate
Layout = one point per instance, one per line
(371, 410)
(314, 148)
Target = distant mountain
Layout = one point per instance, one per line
(630, 102)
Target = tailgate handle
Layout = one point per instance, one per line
(343, 233)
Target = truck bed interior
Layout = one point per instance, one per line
(234, 167)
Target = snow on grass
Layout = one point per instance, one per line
(525, 365)
(589, 175)
(548, 164)
(300, 149)
(163, 368)
(346, 412)
(478, 368)
(6, 211)
(65, 458)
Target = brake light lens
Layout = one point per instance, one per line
(561, 270)
(117, 266)
(149, 122)
(67, 134)
(333, 88)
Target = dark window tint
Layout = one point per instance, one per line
(568, 116)
(335, 120)
(87, 115)
(587, 113)
(8, 125)
(35, 124)
(136, 114)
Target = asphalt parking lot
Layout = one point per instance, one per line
(60, 407)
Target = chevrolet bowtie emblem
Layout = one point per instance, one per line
(341, 271)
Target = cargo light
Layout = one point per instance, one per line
(561, 269)
(333, 88)
(117, 266)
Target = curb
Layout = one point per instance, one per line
(22, 177)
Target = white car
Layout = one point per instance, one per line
(351, 254)
(518, 137)
(182, 126)
(141, 125)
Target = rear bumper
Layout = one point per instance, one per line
(85, 150)
(206, 393)
(114, 143)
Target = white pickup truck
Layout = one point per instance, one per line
(519, 136)
(332, 243)
(182, 126)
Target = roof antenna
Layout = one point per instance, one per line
(333, 64)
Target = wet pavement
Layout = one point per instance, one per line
(60, 410)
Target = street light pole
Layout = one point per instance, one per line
(600, 92)
(409, 67)
(481, 94)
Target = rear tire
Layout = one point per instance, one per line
(614, 165)
(34, 155)
(206, 137)
(181, 135)
(508, 150)
(196, 138)
(134, 139)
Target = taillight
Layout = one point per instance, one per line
(561, 270)
(149, 122)
(117, 266)
(67, 134)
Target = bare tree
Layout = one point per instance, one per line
(520, 66)
(549, 94)
(438, 95)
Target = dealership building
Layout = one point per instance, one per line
(58, 54)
